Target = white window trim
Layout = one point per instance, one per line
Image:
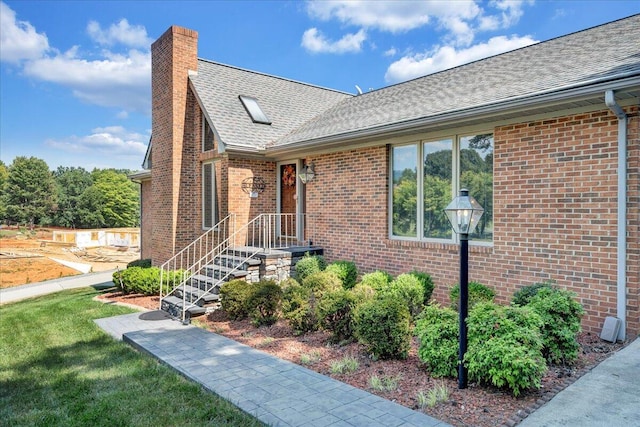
(455, 188)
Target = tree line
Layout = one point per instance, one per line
(31, 194)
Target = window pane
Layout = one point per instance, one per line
(207, 143)
(437, 188)
(405, 191)
(207, 195)
(476, 175)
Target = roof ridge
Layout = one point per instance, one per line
(273, 76)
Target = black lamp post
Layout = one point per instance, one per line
(464, 213)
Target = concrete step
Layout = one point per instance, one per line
(218, 272)
(173, 306)
(196, 294)
(233, 261)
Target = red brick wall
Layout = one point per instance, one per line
(555, 204)
(172, 56)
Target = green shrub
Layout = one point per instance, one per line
(322, 282)
(146, 281)
(437, 330)
(309, 265)
(144, 263)
(299, 308)
(407, 288)
(335, 311)
(505, 347)
(477, 293)
(427, 284)
(523, 295)
(264, 303)
(377, 280)
(560, 315)
(383, 325)
(235, 297)
(346, 271)
(363, 292)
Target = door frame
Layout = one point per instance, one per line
(299, 196)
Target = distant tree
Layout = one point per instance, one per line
(71, 182)
(89, 207)
(29, 192)
(482, 142)
(4, 174)
(117, 196)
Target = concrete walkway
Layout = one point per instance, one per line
(277, 392)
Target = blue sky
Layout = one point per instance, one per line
(75, 75)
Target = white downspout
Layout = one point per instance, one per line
(610, 101)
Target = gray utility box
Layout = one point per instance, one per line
(610, 329)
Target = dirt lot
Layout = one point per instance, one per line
(29, 257)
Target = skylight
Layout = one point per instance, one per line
(254, 110)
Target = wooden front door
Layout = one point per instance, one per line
(288, 200)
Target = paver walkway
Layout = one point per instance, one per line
(277, 392)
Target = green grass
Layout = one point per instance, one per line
(57, 368)
(346, 365)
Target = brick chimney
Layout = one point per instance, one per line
(173, 55)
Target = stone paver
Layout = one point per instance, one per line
(277, 392)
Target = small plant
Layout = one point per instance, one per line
(309, 265)
(386, 383)
(439, 393)
(322, 282)
(266, 341)
(335, 310)
(427, 284)
(299, 308)
(477, 293)
(346, 365)
(377, 280)
(383, 325)
(310, 358)
(407, 288)
(144, 263)
(346, 271)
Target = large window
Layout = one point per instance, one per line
(421, 190)
(209, 205)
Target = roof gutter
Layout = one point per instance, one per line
(557, 95)
(610, 101)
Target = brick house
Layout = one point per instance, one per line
(546, 138)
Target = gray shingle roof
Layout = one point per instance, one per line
(288, 104)
(607, 51)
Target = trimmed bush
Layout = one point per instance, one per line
(146, 281)
(144, 263)
(407, 288)
(264, 303)
(560, 315)
(523, 295)
(363, 292)
(309, 265)
(477, 293)
(505, 347)
(346, 271)
(335, 311)
(437, 329)
(377, 280)
(322, 282)
(299, 308)
(234, 298)
(383, 326)
(427, 284)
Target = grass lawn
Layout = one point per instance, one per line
(57, 368)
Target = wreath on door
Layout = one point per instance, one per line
(289, 176)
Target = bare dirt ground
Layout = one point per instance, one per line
(26, 257)
(477, 405)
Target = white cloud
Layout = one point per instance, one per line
(314, 41)
(120, 33)
(446, 57)
(114, 141)
(19, 39)
(391, 52)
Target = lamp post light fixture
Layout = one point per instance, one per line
(464, 213)
(307, 173)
